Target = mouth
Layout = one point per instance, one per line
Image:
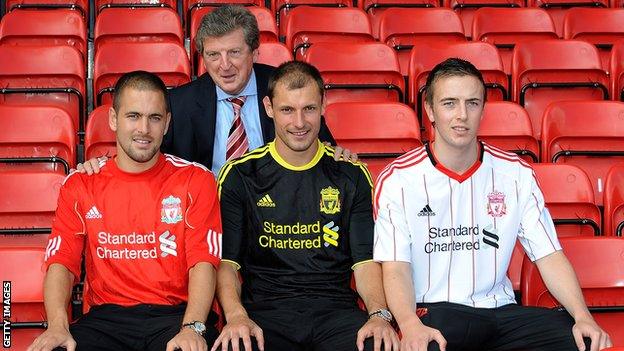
(460, 129)
(142, 141)
(228, 77)
(300, 134)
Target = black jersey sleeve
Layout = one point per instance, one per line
(361, 225)
(232, 215)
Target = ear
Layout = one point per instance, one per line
(255, 54)
(112, 119)
(323, 104)
(268, 106)
(429, 110)
(167, 123)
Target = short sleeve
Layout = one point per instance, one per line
(232, 214)
(537, 231)
(67, 240)
(203, 233)
(392, 237)
(361, 225)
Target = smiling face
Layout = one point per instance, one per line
(297, 117)
(456, 108)
(139, 123)
(229, 60)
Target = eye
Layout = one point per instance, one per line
(235, 53)
(286, 109)
(448, 103)
(155, 118)
(212, 56)
(310, 108)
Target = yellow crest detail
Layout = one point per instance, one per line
(330, 200)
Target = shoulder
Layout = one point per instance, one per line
(350, 169)
(191, 88)
(263, 72)
(408, 162)
(506, 163)
(245, 164)
(193, 169)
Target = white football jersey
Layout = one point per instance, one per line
(458, 231)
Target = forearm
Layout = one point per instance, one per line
(201, 288)
(369, 285)
(229, 291)
(561, 281)
(57, 289)
(399, 289)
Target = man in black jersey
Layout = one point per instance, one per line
(297, 225)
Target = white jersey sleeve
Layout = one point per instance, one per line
(537, 232)
(392, 235)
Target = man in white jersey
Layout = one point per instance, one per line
(447, 217)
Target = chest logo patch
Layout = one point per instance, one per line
(496, 206)
(171, 211)
(330, 200)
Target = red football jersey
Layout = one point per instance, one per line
(140, 232)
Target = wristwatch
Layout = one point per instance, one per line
(196, 326)
(383, 314)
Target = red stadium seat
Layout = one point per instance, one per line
(506, 27)
(399, 30)
(168, 60)
(282, 9)
(375, 8)
(569, 196)
(378, 131)
(425, 56)
(107, 4)
(599, 266)
(601, 27)
(152, 24)
(467, 8)
(39, 135)
(558, 8)
(191, 6)
(81, 5)
(587, 134)
(28, 201)
(100, 140)
(266, 25)
(544, 71)
(617, 71)
(309, 25)
(57, 27)
(272, 54)
(358, 71)
(614, 201)
(44, 75)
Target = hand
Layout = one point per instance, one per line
(52, 338)
(345, 154)
(239, 328)
(417, 336)
(587, 327)
(91, 166)
(380, 330)
(187, 340)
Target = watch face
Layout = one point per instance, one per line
(199, 326)
(386, 314)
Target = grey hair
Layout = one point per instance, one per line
(226, 19)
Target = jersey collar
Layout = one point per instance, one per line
(114, 169)
(451, 174)
(319, 153)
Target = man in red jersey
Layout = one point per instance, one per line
(149, 228)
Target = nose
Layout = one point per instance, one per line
(224, 61)
(143, 125)
(298, 120)
(463, 111)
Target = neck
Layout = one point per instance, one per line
(296, 158)
(129, 165)
(457, 160)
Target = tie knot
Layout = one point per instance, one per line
(238, 101)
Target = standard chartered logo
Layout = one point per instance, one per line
(330, 234)
(168, 245)
(298, 236)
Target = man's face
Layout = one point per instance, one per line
(297, 117)
(229, 61)
(456, 109)
(139, 124)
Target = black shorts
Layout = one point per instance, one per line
(510, 327)
(140, 328)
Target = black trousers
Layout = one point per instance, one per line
(136, 328)
(505, 328)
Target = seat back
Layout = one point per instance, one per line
(399, 30)
(557, 9)
(100, 140)
(151, 24)
(569, 196)
(505, 27)
(614, 201)
(308, 25)
(587, 134)
(378, 131)
(599, 26)
(167, 60)
(358, 71)
(467, 8)
(544, 71)
(283, 8)
(44, 75)
(54, 27)
(189, 7)
(101, 5)
(375, 8)
(22, 267)
(599, 266)
(617, 71)
(425, 56)
(81, 5)
(41, 136)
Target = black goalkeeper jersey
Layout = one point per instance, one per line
(295, 232)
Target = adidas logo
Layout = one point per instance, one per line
(266, 201)
(426, 212)
(93, 213)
